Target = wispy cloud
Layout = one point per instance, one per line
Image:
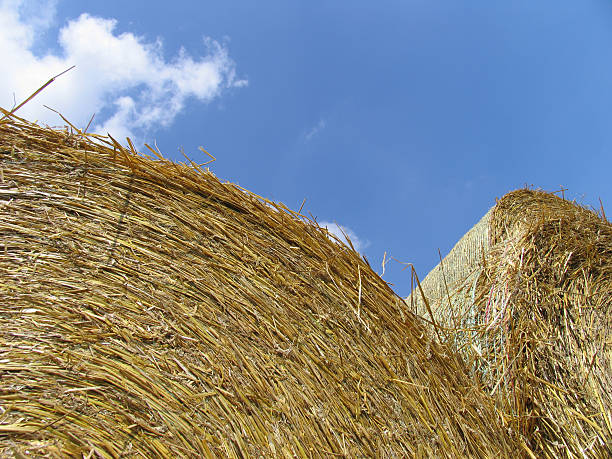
(341, 232)
(124, 78)
(315, 130)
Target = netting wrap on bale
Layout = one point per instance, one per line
(149, 310)
(532, 319)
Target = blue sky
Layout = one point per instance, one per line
(400, 120)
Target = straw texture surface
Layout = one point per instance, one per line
(149, 310)
(534, 321)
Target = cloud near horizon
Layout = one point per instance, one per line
(340, 231)
(123, 78)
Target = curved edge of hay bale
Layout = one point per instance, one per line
(450, 285)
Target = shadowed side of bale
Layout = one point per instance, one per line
(149, 310)
(539, 329)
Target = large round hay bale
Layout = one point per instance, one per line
(530, 311)
(149, 310)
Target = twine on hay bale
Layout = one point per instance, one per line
(149, 310)
(532, 318)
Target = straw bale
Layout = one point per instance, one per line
(533, 320)
(149, 310)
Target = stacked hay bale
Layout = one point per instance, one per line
(528, 306)
(149, 310)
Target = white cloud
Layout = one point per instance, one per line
(340, 231)
(121, 77)
(309, 135)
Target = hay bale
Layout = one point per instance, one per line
(149, 310)
(531, 315)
